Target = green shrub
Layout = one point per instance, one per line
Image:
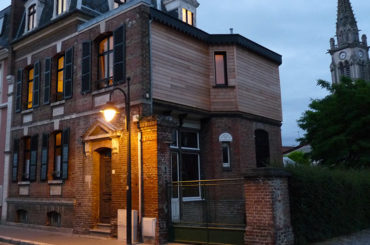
(327, 203)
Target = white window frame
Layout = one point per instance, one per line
(39, 6)
(226, 138)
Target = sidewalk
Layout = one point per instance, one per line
(359, 238)
(30, 236)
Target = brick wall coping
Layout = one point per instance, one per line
(266, 173)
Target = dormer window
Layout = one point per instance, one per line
(1, 25)
(61, 6)
(187, 16)
(31, 17)
(118, 3)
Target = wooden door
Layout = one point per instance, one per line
(105, 186)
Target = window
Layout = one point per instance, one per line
(61, 154)
(220, 69)
(1, 25)
(44, 157)
(61, 6)
(60, 78)
(185, 162)
(262, 145)
(106, 61)
(30, 87)
(225, 139)
(118, 3)
(22, 216)
(187, 16)
(54, 218)
(31, 17)
(27, 158)
(15, 160)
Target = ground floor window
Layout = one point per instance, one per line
(54, 218)
(22, 216)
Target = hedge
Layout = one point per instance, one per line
(328, 203)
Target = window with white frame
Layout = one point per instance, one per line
(185, 162)
(31, 17)
(225, 139)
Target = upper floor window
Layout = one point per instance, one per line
(106, 61)
(61, 6)
(262, 145)
(118, 3)
(61, 150)
(1, 25)
(187, 16)
(60, 78)
(30, 88)
(220, 69)
(31, 17)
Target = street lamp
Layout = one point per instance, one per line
(109, 111)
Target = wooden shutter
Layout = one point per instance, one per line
(119, 68)
(36, 85)
(47, 77)
(18, 96)
(68, 74)
(65, 153)
(44, 157)
(86, 67)
(15, 160)
(33, 162)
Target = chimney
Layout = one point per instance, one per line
(185, 10)
(231, 30)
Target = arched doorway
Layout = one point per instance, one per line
(105, 184)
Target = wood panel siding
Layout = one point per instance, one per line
(258, 85)
(180, 68)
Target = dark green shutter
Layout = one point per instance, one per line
(86, 67)
(68, 74)
(47, 82)
(36, 85)
(44, 157)
(15, 160)
(119, 68)
(33, 162)
(18, 96)
(65, 153)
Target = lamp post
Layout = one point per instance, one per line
(109, 112)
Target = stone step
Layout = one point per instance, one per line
(102, 230)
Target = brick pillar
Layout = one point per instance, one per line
(267, 207)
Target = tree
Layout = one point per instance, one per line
(300, 158)
(338, 126)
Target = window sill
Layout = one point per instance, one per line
(27, 111)
(24, 183)
(223, 86)
(61, 102)
(55, 182)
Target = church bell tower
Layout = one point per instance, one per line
(350, 55)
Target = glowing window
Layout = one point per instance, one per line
(30, 88)
(118, 3)
(60, 77)
(106, 60)
(220, 69)
(61, 6)
(31, 17)
(187, 16)
(58, 155)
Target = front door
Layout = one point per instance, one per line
(105, 185)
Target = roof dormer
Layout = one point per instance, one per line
(184, 10)
(33, 9)
(60, 7)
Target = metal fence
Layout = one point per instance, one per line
(208, 211)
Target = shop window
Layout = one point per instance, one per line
(54, 218)
(261, 138)
(22, 216)
(187, 16)
(220, 69)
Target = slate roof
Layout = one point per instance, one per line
(4, 37)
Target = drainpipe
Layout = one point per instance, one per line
(140, 167)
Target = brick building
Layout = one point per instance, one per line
(5, 114)
(203, 106)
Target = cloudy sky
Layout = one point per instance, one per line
(299, 30)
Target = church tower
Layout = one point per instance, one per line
(350, 55)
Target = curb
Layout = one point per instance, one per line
(16, 241)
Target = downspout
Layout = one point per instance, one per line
(140, 167)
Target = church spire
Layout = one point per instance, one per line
(347, 30)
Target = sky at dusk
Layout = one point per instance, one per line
(299, 30)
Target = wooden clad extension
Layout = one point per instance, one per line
(183, 73)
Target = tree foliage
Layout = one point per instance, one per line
(300, 158)
(338, 126)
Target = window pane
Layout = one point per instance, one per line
(190, 18)
(60, 82)
(61, 63)
(220, 69)
(58, 139)
(103, 46)
(30, 94)
(189, 139)
(190, 171)
(225, 155)
(174, 138)
(184, 15)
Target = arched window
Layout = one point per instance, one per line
(225, 139)
(341, 69)
(262, 145)
(22, 216)
(54, 218)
